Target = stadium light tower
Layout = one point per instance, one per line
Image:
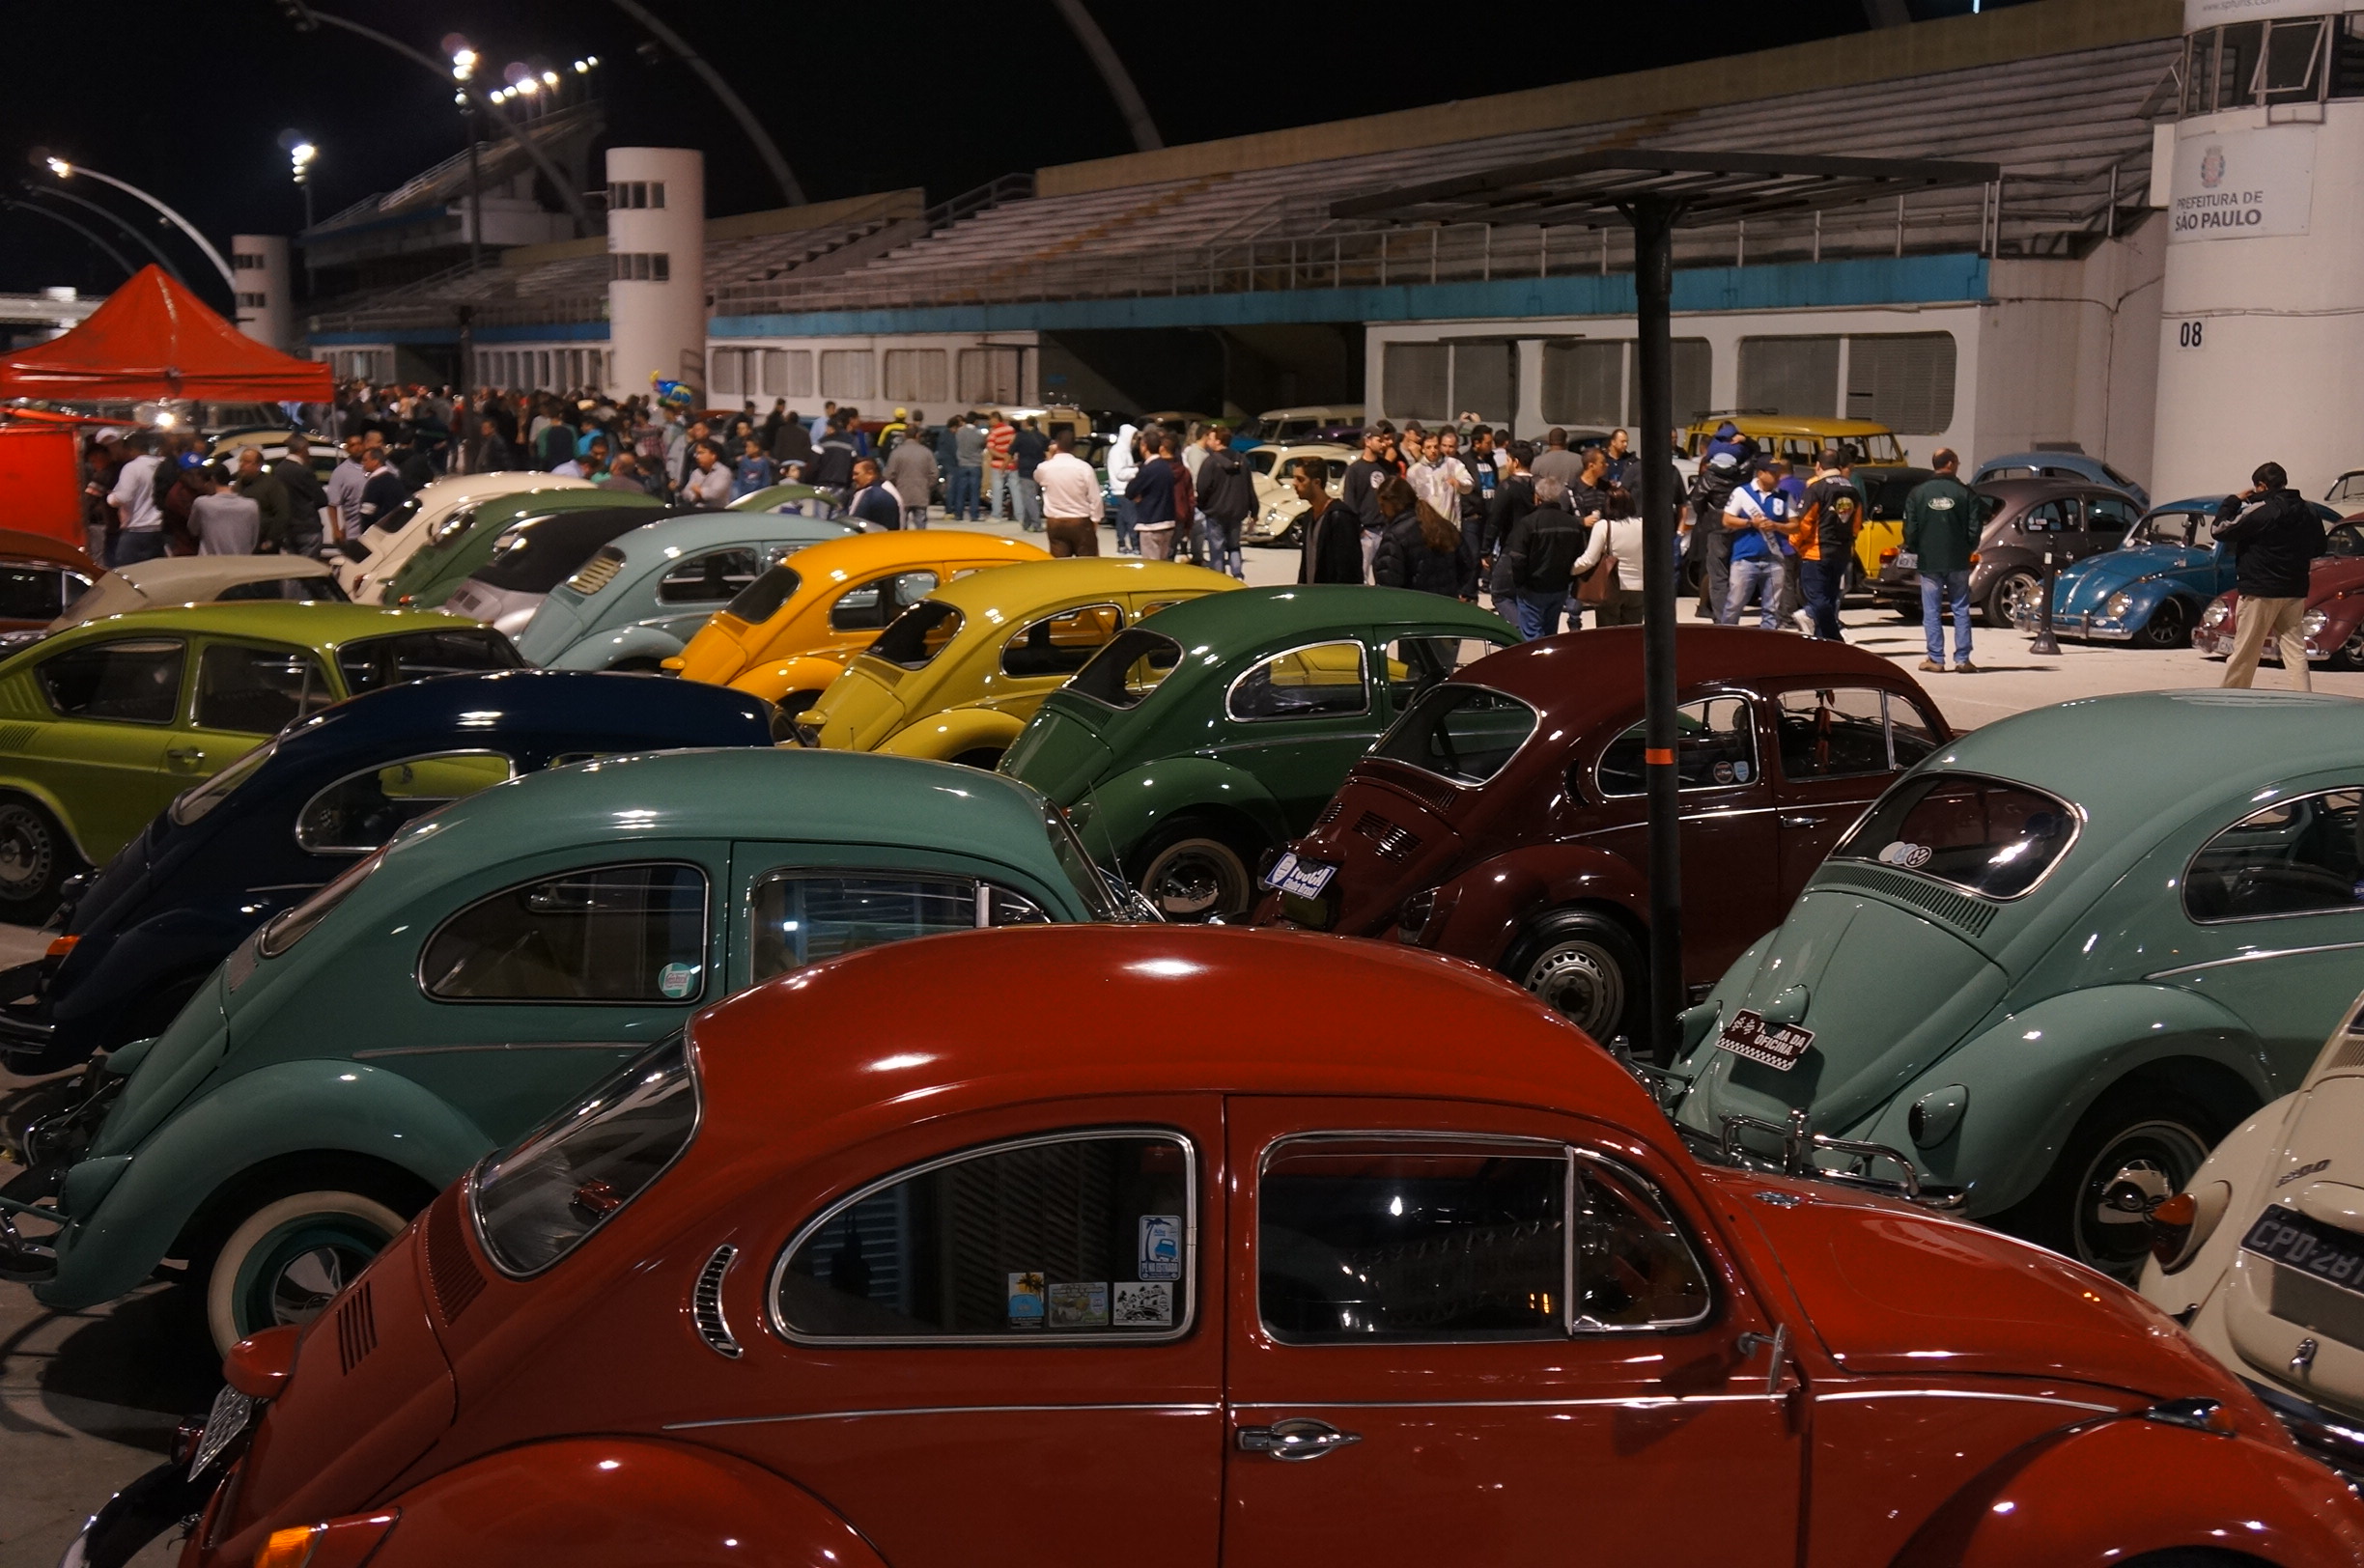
(64, 170)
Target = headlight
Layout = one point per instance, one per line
(2217, 614)
(2313, 624)
(2118, 605)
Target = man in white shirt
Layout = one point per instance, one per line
(141, 537)
(1440, 480)
(345, 480)
(1072, 502)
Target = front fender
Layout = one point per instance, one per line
(943, 737)
(604, 650)
(92, 1001)
(2035, 1071)
(1491, 902)
(1128, 807)
(330, 1104)
(2100, 1494)
(772, 681)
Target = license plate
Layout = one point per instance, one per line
(1907, 561)
(1302, 878)
(1776, 1045)
(231, 1413)
(2308, 1246)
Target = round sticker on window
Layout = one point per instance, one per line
(1740, 772)
(1905, 854)
(677, 980)
(1723, 771)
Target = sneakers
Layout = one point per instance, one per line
(1805, 620)
(1933, 666)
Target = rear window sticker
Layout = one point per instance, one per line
(1909, 855)
(677, 980)
(1081, 1304)
(1159, 1255)
(1144, 1306)
(1026, 1299)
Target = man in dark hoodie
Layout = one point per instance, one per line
(1535, 568)
(2274, 536)
(1724, 465)
(1227, 498)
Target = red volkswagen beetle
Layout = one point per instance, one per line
(1502, 818)
(904, 1261)
(2335, 619)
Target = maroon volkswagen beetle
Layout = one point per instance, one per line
(1502, 820)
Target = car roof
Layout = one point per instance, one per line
(833, 561)
(666, 537)
(319, 623)
(2016, 493)
(1790, 424)
(1580, 678)
(996, 597)
(24, 545)
(1263, 617)
(975, 1027)
(452, 489)
(1306, 448)
(178, 578)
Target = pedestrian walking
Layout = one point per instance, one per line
(1358, 488)
(1152, 495)
(1332, 532)
(345, 482)
(2274, 536)
(221, 521)
(1757, 519)
(1512, 499)
(1537, 564)
(1227, 500)
(1940, 531)
(1001, 468)
(1824, 533)
(1556, 460)
(873, 502)
(1424, 549)
(910, 469)
(1072, 503)
(709, 484)
(966, 496)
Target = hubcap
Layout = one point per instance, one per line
(1581, 982)
(2143, 1163)
(25, 852)
(298, 1268)
(2018, 597)
(1194, 881)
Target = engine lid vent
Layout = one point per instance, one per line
(706, 1303)
(1395, 842)
(356, 1326)
(450, 1271)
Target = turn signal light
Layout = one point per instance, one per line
(2171, 1226)
(1888, 555)
(336, 1543)
(60, 946)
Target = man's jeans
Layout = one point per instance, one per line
(1222, 553)
(1030, 505)
(1824, 581)
(1954, 587)
(137, 545)
(1758, 577)
(1539, 615)
(1001, 481)
(962, 499)
(1126, 543)
(1716, 580)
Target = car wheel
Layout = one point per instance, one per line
(1857, 584)
(2348, 655)
(635, 667)
(2012, 592)
(1192, 876)
(2168, 626)
(983, 758)
(35, 859)
(1586, 968)
(2154, 1134)
(287, 1260)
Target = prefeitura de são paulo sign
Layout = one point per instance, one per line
(2227, 184)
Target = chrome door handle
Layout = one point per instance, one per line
(1295, 1438)
(1799, 820)
(185, 753)
(1778, 1342)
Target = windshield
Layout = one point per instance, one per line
(538, 1199)
(195, 803)
(1128, 669)
(1463, 732)
(1981, 836)
(393, 521)
(918, 634)
(285, 930)
(2346, 540)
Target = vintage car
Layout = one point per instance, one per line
(1280, 515)
(2078, 939)
(1502, 818)
(2335, 619)
(39, 577)
(2020, 521)
(2262, 1254)
(747, 1302)
(1306, 422)
(139, 936)
(1885, 491)
(479, 971)
(800, 499)
(795, 628)
(453, 552)
(445, 506)
(534, 555)
(957, 675)
(1188, 752)
(2153, 589)
(641, 597)
(2070, 465)
(1798, 439)
(103, 723)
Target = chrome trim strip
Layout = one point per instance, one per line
(1362, 674)
(2259, 953)
(505, 1045)
(1619, 1401)
(934, 1409)
(1970, 1394)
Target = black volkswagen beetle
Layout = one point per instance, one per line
(2018, 520)
(136, 941)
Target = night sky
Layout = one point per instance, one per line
(189, 101)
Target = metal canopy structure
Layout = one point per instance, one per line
(1654, 191)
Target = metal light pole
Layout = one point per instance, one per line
(300, 156)
(464, 67)
(46, 193)
(1653, 220)
(1104, 58)
(65, 169)
(113, 255)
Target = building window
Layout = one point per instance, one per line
(1795, 376)
(1584, 383)
(919, 374)
(656, 193)
(728, 372)
(1903, 381)
(254, 301)
(640, 266)
(1416, 379)
(846, 372)
(992, 374)
(787, 372)
(246, 261)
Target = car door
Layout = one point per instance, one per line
(1297, 719)
(244, 692)
(1474, 1333)
(1838, 748)
(805, 903)
(118, 703)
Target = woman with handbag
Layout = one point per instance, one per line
(1609, 572)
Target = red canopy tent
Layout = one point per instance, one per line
(154, 339)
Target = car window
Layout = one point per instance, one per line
(258, 690)
(918, 634)
(1085, 1235)
(2346, 540)
(1417, 663)
(1372, 1237)
(1981, 836)
(361, 811)
(1715, 749)
(603, 934)
(2177, 528)
(2108, 513)
(1831, 732)
(294, 590)
(1261, 463)
(1061, 644)
(2348, 487)
(33, 593)
(2202, 534)
(877, 602)
(417, 655)
(710, 578)
(2051, 517)
(136, 682)
(1465, 734)
(803, 918)
(1128, 669)
(2297, 856)
(761, 599)
(1323, 681)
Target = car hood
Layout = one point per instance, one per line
(1885, 990)
(1059, 752)
(2089, 583)
(2333, 576)
(1893, 1289)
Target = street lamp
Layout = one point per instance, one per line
(65, 169)
(464, 59)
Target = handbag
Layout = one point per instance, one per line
(1598, 584)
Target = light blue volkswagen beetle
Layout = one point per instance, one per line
(638, 601)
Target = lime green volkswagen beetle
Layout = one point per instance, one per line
(103, 723)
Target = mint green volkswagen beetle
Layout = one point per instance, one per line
(362, 1050)
(2059, 959)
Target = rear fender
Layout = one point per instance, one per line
(1130, 807)
(603, 650)
(1492, 902)
(322, 1104)
(2097, 1495)
(943, 737)
(774, 681)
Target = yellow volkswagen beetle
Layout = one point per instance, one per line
(959, 673)
(790, 632)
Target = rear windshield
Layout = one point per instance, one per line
(535, 557)
(1979, 834)
(1463, 732)
(300, 590)
(761, 599)
(416, 655)
(1128, 669)
(918, 634)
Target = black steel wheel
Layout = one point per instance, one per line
(35, 859)
(1586, 967)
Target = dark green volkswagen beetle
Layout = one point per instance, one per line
(1198, 742)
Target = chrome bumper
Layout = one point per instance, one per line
(2336, 1440)
(2082, 627)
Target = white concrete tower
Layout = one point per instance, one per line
(657, 266)
(265, 295)
(2262, 329)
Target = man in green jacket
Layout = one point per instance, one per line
(1940, 531)
(263, 487)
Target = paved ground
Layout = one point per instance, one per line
(88, 1400)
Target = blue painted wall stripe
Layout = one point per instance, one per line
(550, 332)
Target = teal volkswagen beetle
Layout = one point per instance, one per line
(1198, 742)
(638, 601)
(361, 1051)
(2059, 959)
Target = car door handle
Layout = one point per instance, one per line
(1799, 818)
(185, 753)
(1295, 1438)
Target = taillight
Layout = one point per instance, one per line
(60, 946)
(1888, 555)
(2171, 1227)
(335, 1543)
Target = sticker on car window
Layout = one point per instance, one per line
(1025, 1300)
(1081, 1304)
(1903, 853)
(1143, 1306)
(1159, 1255)
(677, 980)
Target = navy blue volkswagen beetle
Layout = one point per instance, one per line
(150, 925)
